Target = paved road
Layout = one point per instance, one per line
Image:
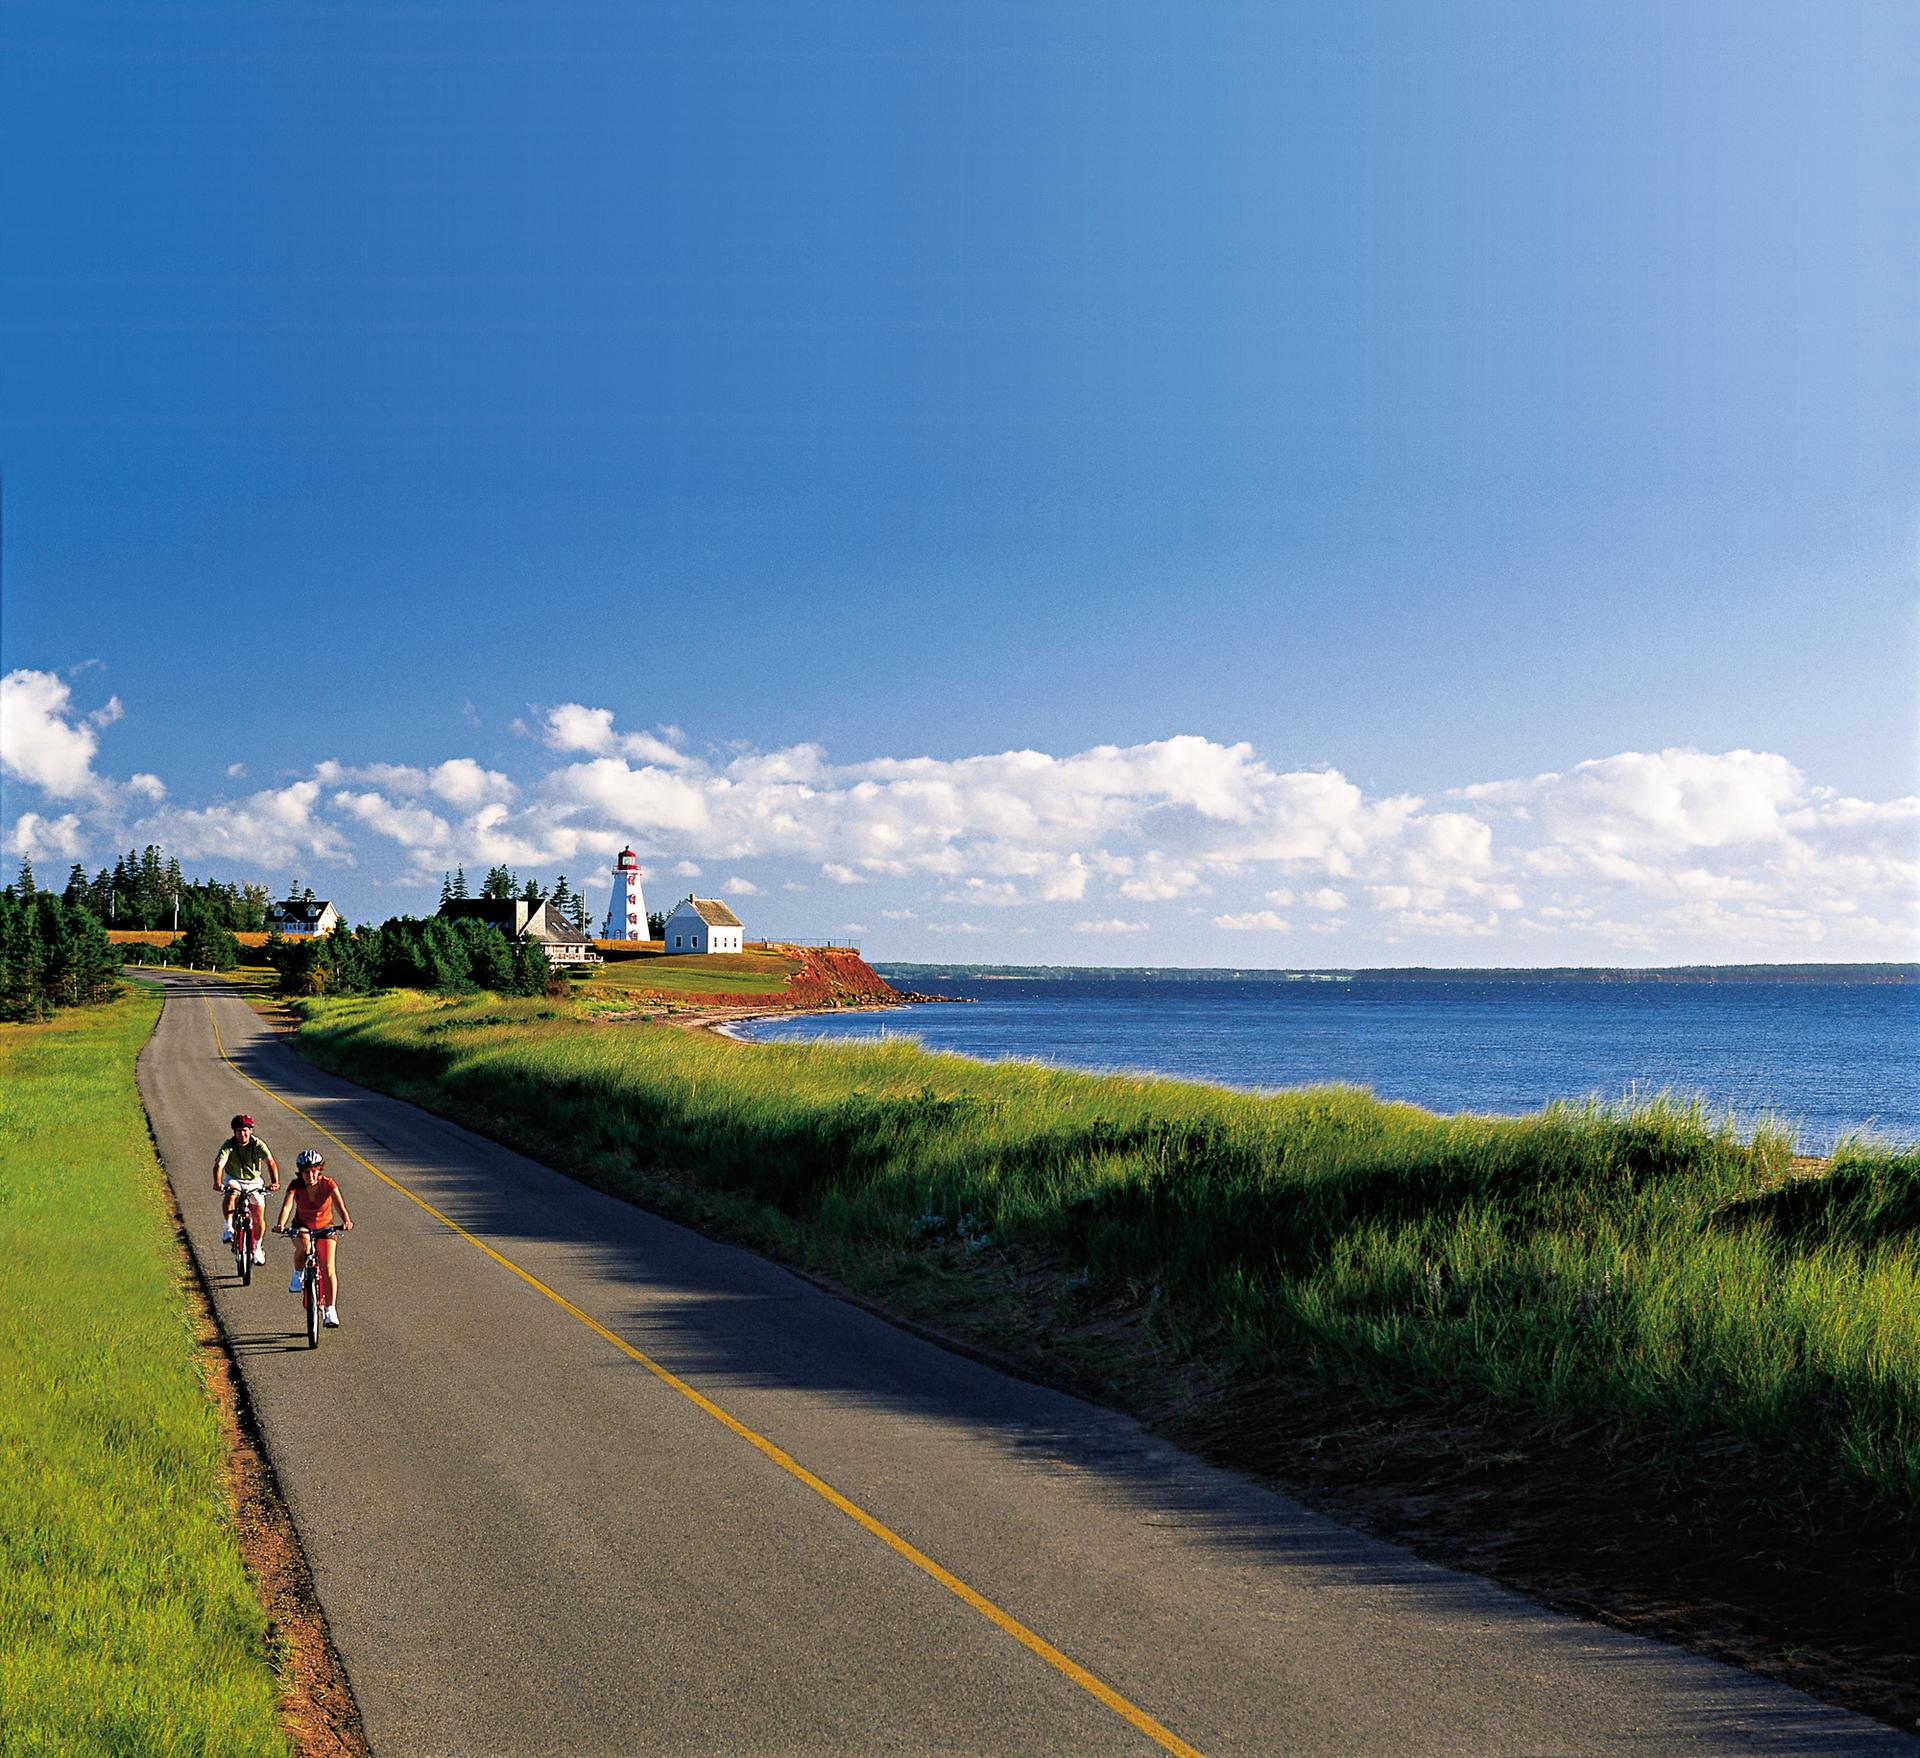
(529, 1541)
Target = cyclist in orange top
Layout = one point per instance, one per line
(315, 1201)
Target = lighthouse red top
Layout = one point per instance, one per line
(628, 858)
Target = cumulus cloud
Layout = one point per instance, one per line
(270, 829)
(572, 727)
(460, 781)
(1677, 849)
(42, 742)
(412, 827)
(1676, 798)
(35, 837)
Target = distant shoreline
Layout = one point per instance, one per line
(1696, 973)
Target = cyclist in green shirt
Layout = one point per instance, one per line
(244, 1163)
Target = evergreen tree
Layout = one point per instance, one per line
(76, 891)
(459, 882)
(530, 892)
(446, 889)
(500, 883)
(24, 887)
(253, 908)
(152, 884)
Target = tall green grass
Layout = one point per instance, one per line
(1636, 1265)
(127, 1622)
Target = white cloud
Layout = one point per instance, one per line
(571, 727)
(413, 827)
(35, 837)
(236, 771)
(40, 743)
(1679, 798)
(738, 887)
(460, 781)
(1675, 851)
(268, 829)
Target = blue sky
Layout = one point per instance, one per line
(1462, 461)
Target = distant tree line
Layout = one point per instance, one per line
(52, 953)
(140, 890)
(405, 953)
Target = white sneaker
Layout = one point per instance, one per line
(330, 1317)
(293, 1287)
(259, 1254)
(226, 1234)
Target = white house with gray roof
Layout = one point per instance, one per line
(702, 924)
(303, 916)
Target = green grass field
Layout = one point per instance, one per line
(127, 1621)
(745, 974)
(1638, 1268)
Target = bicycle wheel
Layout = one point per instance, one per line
(243, 1243)
(310, 1297)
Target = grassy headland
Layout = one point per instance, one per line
(1641, 1270)
(127, 1622)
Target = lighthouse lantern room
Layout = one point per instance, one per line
(627, 912)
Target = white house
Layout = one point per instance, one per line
(302, 915)
(627, 908)
(703, 924)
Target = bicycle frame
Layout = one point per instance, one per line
(249, 1228)
(310, 1277)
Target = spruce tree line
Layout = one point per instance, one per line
(139, 889)
(405, 953)
(52, 953)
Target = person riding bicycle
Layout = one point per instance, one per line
(239, 1166)
(313, 1199)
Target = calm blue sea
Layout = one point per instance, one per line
(1829, 1057)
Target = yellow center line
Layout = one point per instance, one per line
(1131, 1713)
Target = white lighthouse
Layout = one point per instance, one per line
(627, 913)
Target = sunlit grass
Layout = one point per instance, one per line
(726, 973)
(1637, 1264)
(127, 1622)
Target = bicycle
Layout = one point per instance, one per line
(249, 1211)
(310, 1277)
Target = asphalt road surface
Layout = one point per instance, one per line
(573, 1479)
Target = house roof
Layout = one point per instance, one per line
(506, 913)
(711, 911)
(308, 909)
(548, 925)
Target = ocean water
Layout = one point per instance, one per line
(1827, 1058)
